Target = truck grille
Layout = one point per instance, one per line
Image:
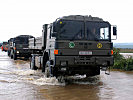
(84, 60)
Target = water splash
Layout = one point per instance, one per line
(47, 81)
(38, 78)
(82, 79)
(26, 73)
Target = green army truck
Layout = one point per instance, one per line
(73, 45)
(4, 46)
(18, 47)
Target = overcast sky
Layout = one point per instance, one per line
(18, 17)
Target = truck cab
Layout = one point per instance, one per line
(19, 46)
(77, 45)
(4, 46)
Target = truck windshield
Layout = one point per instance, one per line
(70, 30)
(22, 40)
(80, 30)
(97, 30)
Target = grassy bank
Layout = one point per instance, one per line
(126, 50)
(122, 63)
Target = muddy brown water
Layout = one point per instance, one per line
(18, 82)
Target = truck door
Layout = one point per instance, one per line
(50, 46)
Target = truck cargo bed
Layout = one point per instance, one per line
(35, 43)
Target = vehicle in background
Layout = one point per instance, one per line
(0, 44)
(4, 46)
(18, 47)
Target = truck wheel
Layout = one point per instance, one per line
(47, 69)
(47, 72)
(14, 56)
(44, 61)
(61, 79)
(11, 56)
(8, 53)
(43, 64)
(32, 65)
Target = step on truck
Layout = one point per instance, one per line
(18, 47)
(73, 45)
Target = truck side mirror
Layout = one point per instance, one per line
(114, 30)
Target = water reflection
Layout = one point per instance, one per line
(71, 92)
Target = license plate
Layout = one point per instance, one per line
(85, 52)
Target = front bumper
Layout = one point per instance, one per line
(23, 53)
(102, 61)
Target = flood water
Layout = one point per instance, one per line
(127, 55)
(18, 82)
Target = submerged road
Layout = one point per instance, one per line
(18, 82)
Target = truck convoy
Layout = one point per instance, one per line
(18, 47)
(73, 45)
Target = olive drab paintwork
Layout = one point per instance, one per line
(18, 47)
(74, 45)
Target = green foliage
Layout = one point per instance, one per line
(117, 55)
(122, 63)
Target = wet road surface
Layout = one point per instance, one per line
(18, 82)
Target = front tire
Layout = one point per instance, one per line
(32, 64)
(47, 69)
(11, 54)
(43, 64)
(47, 72)
(8, 52)
(14, 56)
(44, 61)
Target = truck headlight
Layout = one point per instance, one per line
(17, 51)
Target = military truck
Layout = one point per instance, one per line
(18, 47)
(73, 45)
(4, 46)
(0, 44)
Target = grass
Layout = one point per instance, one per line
(122, 63)
(126, 50)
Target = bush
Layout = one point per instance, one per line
(117, 55)
(122, 63)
